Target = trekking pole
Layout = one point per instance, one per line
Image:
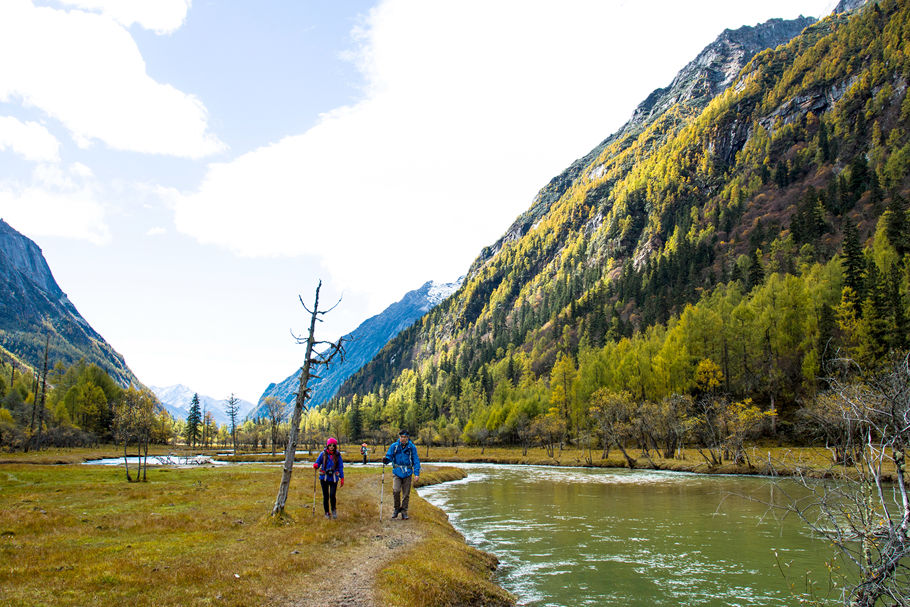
(381, 491)
(315, 474)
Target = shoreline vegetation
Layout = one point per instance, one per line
(763, 460)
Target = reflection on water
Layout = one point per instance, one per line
(571, 536)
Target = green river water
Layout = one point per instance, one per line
(577, 536)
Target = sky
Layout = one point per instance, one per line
(191, 167)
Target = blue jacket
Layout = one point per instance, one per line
(327, 470)
(404, 459)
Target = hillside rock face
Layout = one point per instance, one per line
(846, 6)
(32, 306)
(702, 79)
(362, 344)
(714, 69)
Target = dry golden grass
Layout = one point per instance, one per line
(81, 535)
(76, 455)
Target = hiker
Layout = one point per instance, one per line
(363, 451)
(403, 456)
(331, 474)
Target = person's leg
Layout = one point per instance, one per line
(333, 488)
(325, 495)
(406, 494)
(396, 493)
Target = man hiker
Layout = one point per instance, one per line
(363, 451)
(403, 456)
(331, 474)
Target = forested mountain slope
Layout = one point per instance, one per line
(33, 308)
(360, 345)
(734, 240)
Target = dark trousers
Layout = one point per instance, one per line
(328, 494)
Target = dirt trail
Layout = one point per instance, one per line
(351, 582)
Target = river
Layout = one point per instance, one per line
(578, 536)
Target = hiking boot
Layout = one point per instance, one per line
(327, 515)
(395, 514)
(334, 514)
(404, 515)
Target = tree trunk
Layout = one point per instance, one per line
(126, 463)
(631, 462)
(299, 404)
(145, 457)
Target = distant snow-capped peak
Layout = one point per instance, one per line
(177, 398)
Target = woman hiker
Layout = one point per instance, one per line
(403, 456)
(331, 474)
(363, 451)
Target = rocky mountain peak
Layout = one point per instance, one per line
(24, 256)
(709, 74)
(846, 6)
(33, 308)
(714, 69)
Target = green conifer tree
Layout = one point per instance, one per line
(900, 341)
(896, 225)
(193, 420)
(756, 271)
(853, 259)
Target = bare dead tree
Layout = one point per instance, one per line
(864, 510)
(277, 410)
(205, 426)
(311, 362)
(38, 404)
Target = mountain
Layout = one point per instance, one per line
(363, 343)
(702, 79)
(33, 307)
(717, 229)
(661, 115)
(176, 399)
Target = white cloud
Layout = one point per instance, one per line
(470, 107)
(160, 16)
(55, 203)
(85, 70)
(156, 231)
(30, 140)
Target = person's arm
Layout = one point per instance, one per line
(318, 459)
(388, 455)
(340, 470)
(416, 461)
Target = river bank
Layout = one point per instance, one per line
(77, 535)
(763, 460)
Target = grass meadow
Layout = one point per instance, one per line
(75, 535)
